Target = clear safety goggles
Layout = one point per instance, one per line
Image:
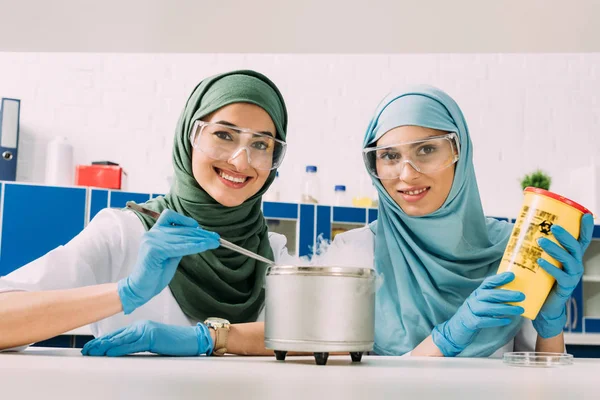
(427, 155)
(224, 143)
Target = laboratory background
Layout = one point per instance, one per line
(92, 93)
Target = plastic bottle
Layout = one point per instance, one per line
(340, 196)
(273, 192)
(365, 196)
(310, 186)
(59, 163)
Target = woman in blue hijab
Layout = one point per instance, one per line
(436, 250)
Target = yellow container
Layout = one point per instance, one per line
(365, 202)
(541, 209)
(337, 231)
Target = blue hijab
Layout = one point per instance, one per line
(431, 264)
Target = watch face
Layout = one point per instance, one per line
(217, 322)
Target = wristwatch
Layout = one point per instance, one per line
(221, 328)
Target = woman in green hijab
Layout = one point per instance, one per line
(168, 276)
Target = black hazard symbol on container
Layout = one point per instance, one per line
(545, 227)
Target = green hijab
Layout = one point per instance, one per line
(220, 282)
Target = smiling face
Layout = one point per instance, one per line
(233, 181)
(418, 194)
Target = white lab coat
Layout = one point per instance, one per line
(105, 252)
(358, 245)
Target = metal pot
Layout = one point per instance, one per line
(320, 310)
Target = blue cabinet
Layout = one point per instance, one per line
(306, 235)
(324, 222)
(592, 324)
(575, 310)
(37, 219)
(120, 199)
(350, 215)
(372, 215)
(330, 219)
(280, 211)
(98, 201)
(585, 310)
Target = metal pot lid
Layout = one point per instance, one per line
(353, 272)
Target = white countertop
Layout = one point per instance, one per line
(44, 373)
(570, 338)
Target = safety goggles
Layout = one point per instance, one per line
(426, 155)
(224, 143)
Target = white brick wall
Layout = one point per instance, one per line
(524, 110)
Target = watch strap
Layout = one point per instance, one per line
(221, 335)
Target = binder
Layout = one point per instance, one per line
(10, 110)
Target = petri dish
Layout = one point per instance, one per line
(537, 359)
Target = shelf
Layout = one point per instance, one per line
(591, 278)
(590, 339)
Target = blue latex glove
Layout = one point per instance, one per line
(172, 237)
(484, 308)
(169, 340)
(552, 318)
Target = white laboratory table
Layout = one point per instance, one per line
(45, 373)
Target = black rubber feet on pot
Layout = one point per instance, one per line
(321, 358)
